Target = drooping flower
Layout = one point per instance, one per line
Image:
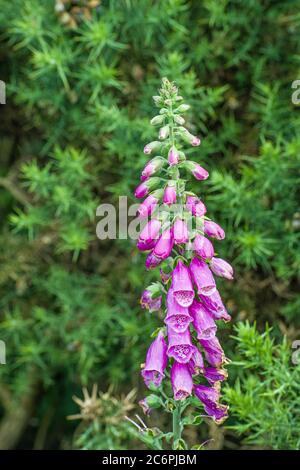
(149, 302)
(178, 317)
(203, 247)
(210, 393)
(164, 245)
(179, 322)
(182, 285)
(213, 351)
(209, 396)
(213, 230)
(203, 321)
(152, 261)
(196, 363)
(221, 268)
(173, 306)
(182, 382)
(180, 346)
(156, 361)
(180, 232)
(202, 277)
(214, 304)
(170, 193)
(146, 246)
(213, 375)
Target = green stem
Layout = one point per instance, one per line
(172, 140)
(177, 427)
(171, 124)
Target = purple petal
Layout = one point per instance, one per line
(156, 361)
(203, 321)
(181, 380)
(182, 285)
(213, 351)
(196, 364)
(180, 346)
(215, 305)
(202, 277)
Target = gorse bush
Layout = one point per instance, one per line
(79, 88)
(265, 397)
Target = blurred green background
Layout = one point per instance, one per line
(79, 80)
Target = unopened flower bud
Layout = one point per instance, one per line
(152, 261)
(148, 205)
(173, 156)
(149, 403)
(188, 137)
(170, 193)
(198, 171)
(181, 156)
(155, 145)
(182, 108)
(151, 300)
(157, 100)
(179, 120)
(195, 141)
(164, 245)
(157, 120)
(152, 167)
(203, 247)
(145, 187)
(180, 232)
(213, 230)
(195, 206)
(164, 276)
(164, 132)
(221, 268)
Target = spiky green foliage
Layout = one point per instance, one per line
(76, 118)
(265, 398)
